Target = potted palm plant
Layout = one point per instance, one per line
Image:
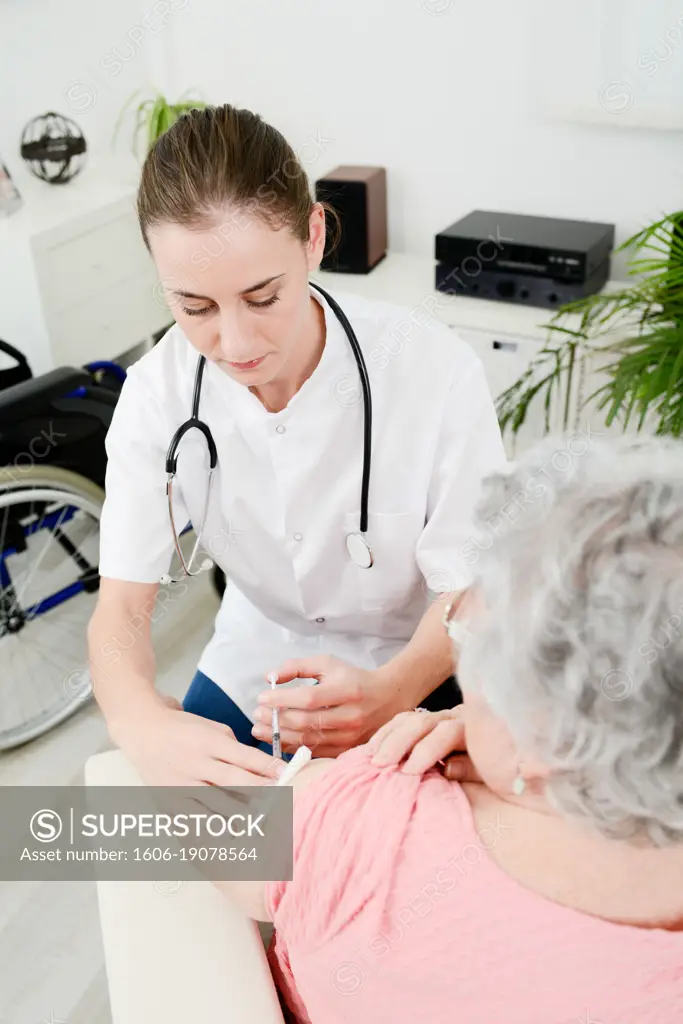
(154, 115)
(636, 333)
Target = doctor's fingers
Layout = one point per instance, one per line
(307, 668)
(330, 693)
(322, 744)
(227, 776)
(348, 717)
(328, 744)
(235, 756)
(218, 742)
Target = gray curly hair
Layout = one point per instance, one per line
(579, 559)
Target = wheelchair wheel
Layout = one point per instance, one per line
(49, 550)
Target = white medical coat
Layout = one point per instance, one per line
(287, 490)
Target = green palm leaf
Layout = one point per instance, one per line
(639, 328)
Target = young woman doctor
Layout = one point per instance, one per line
(306, 491)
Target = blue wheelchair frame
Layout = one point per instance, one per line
(54, 519)
(47, 603)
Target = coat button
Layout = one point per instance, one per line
(321, 619)
(298, 536)
(280, 429)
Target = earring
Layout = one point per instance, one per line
(518, 786)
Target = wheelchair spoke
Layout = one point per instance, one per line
(48, 543)
(15, 582)
(33, 572)
(26, 652)
(22, 693)
(46, 673)
(47, 657)
(78, 636)
(72, 550)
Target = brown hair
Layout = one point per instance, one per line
(222, 156)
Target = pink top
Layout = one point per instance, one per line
(397, 914)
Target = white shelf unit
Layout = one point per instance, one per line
(506, 336)
(76, 282)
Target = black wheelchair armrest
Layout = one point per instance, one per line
(30, 397)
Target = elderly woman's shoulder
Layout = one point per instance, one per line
(353, 779)
(353, 823)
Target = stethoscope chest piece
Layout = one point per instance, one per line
(359, 550)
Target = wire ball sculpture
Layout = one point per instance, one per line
(54, 147)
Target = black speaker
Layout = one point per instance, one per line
(359, 197)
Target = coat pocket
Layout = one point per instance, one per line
(394, 574)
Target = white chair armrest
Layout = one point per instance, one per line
(183, 958)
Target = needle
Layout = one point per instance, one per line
(277, 745)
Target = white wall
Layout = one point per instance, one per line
(451, 103)
(80, 58)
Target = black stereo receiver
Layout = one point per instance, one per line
(543, 261)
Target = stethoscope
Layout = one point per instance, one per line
(356, 544)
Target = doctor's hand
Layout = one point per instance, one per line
(172, 747)
(347, 706)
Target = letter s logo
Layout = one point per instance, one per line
(46, 826)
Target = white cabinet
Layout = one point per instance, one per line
(505, 358)
(506, 336)
(76, 282)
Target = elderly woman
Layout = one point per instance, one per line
(551, 891)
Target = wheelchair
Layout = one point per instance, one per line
(51, 497)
